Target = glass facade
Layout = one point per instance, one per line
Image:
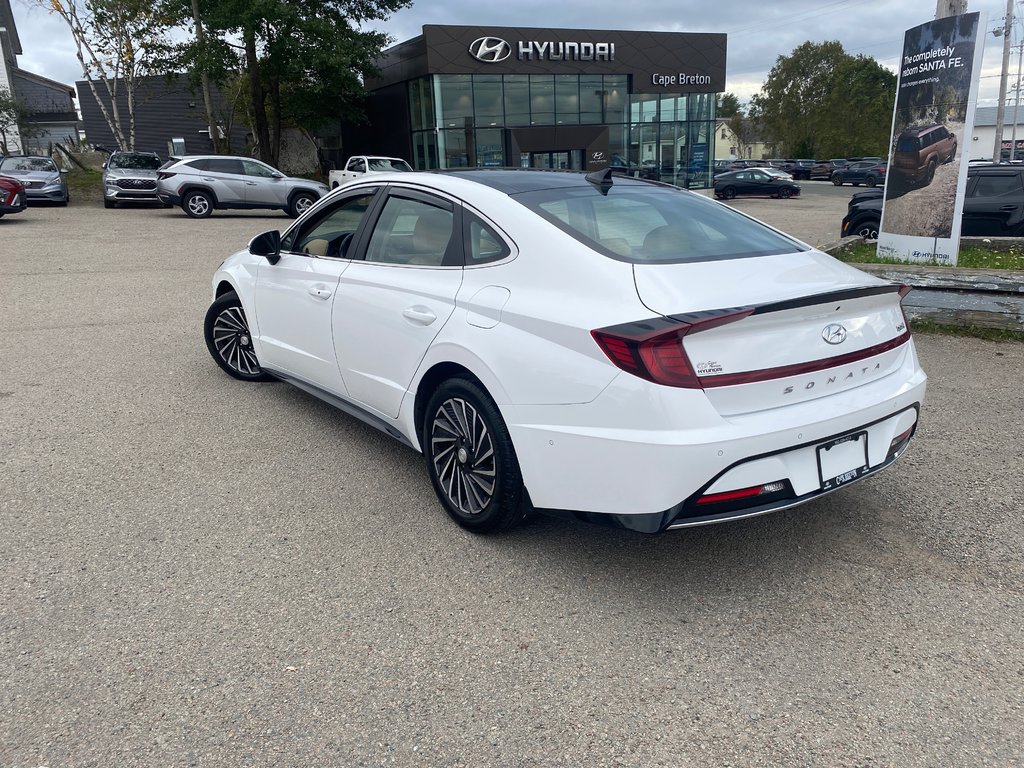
(461, 121)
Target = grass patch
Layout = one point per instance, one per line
(972, 257)
(973, 331)
(85, 185)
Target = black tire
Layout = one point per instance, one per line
(729, 193)
(931, 172)
(785, 193)
(952, 155)
(109, 203)
(870, 181)
(226, 331)
(197, 203)
(300, 203)
(867, 230)
(837, 179)
(466, 443)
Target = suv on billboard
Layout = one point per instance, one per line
(919, 150)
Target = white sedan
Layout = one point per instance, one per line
(597, 347)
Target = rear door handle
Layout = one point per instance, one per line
(319, 291)
(208, 178)
(419, 315)
(250, 183)
(1008, 208)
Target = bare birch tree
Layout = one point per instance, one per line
(117, 42)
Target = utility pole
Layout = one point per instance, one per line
(997, 153)
(944, 8)
(1016, 105)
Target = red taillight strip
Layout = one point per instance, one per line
(784, 371)
(742, 493)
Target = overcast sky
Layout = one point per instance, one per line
(759, 30)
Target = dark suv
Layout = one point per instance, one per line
(919, 150)
(993, 206)
(823, 169)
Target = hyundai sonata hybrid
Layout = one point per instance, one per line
(591, 346)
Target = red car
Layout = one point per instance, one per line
(12, 196)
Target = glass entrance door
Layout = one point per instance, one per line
(561, 160)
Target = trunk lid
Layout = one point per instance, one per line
(817, 326)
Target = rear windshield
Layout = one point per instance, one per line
(655, 225)
(135, 162)
(387, 164)
(907, 144)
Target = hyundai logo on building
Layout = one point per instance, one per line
(833, 333)
(490, 49)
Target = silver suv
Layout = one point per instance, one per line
(201, 183)
(130, 177)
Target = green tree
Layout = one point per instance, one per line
(857, 116)
(304, 61)
(820, 101)
(726, 104)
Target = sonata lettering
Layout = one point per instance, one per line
(531, 50)
(864, 371)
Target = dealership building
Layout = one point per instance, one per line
(460, 96)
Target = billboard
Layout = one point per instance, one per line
(932, 120)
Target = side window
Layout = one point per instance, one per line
(224, 165)
(412, 232)
(331, 233)
(252, 168)
(199, 165)
(997, 185)
(483, 244)
(359, 166)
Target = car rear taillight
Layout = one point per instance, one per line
(743, 493)
(161, 175)
(653, 349)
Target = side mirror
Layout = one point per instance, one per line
(64, 171)
(104, 166)
(268, 244)
(277, 175)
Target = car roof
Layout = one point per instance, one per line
(917, 130)
(512, 181)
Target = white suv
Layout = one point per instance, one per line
(201, 183)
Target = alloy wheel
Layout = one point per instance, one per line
(233, 342)
(463, 456)
(198, 205)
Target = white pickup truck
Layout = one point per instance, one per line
(360, 165)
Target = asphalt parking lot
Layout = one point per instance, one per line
(197, 571)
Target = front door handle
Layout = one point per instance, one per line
(250, 183)
(419, 314)
(1008, 208)
(319, 291)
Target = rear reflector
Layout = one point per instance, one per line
(899, 443)
(743, 493)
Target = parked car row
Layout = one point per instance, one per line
(993, 205)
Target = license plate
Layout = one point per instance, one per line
(843, 460)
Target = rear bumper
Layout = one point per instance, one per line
(168, 198)
(649, 479)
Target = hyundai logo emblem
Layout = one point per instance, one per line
(490, 49)
(833, 333)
